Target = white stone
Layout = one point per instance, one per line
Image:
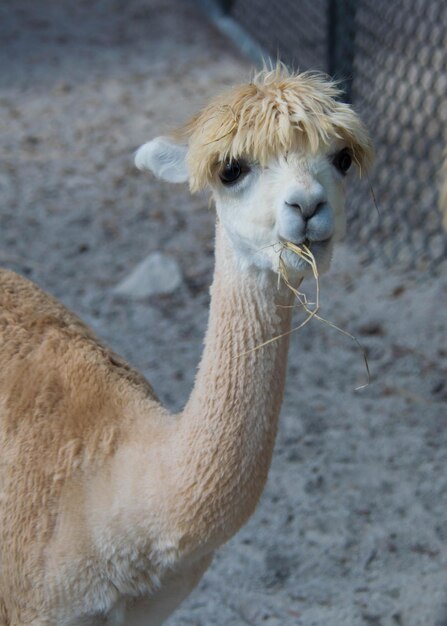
(156, 274)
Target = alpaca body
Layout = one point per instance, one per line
(110, 506)
(60, 427)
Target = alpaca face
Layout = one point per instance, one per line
(296, 197)
(274, 152)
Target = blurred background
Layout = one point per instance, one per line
(352, 527)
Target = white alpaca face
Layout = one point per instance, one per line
(296, 197)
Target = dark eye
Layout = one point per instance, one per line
(343, 160)
(231, 171)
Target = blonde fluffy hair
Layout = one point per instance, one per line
(276, 112)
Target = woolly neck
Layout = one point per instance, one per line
(229, 424)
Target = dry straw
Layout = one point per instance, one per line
(306, 255)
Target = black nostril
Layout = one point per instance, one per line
(294, 205)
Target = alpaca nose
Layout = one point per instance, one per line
(306, 200)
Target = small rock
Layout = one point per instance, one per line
(156, 274)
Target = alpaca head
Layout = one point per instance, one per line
(275, 154)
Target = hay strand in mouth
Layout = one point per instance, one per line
(304, 252)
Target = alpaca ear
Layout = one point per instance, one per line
(164, 158)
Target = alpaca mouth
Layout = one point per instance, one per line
(296, 242)
(312, 243)
(318, 250)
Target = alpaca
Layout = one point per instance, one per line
(111, 507)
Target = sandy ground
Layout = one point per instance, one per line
(352, 527)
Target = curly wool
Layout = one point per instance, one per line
(276, 112)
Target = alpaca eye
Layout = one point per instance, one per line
(232, 171)
(343, 160)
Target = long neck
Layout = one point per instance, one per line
(229, 424)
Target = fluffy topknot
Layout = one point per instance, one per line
(276, 112)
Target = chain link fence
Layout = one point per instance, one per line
(391, 58)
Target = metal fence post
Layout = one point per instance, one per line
(341, 42)
(226, 5)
